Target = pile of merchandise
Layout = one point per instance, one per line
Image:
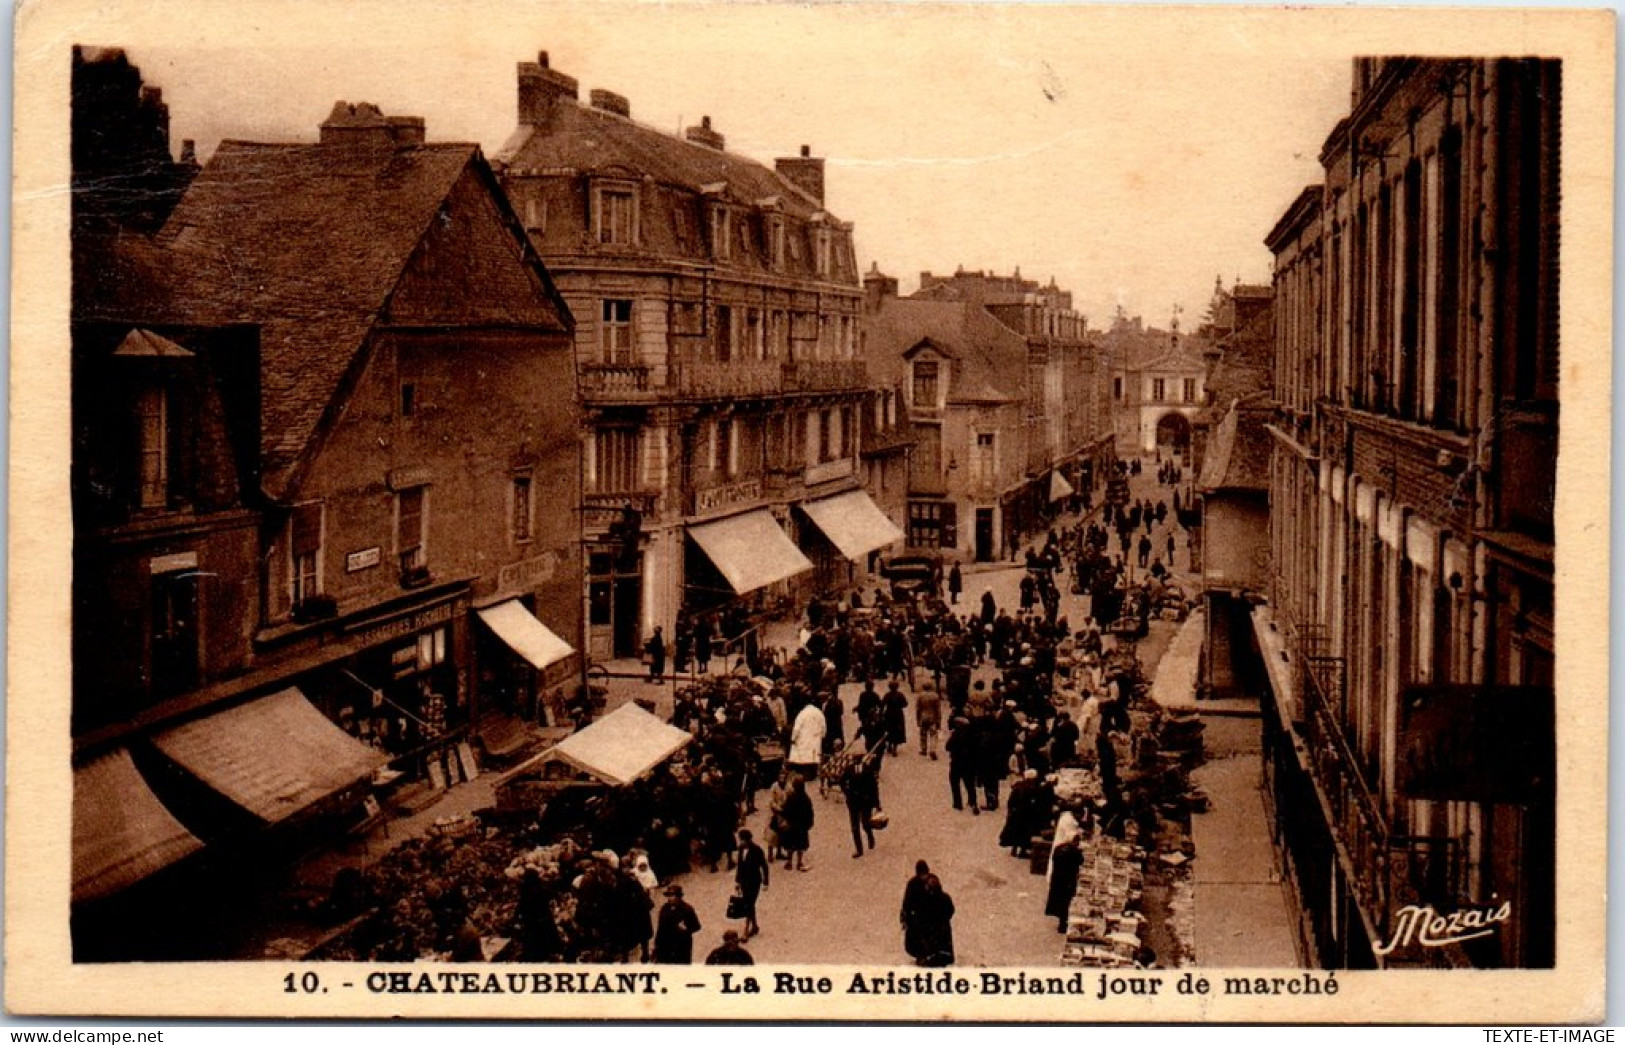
(1102, 930)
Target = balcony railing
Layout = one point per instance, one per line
(825, 375)
(1388, 871)
(740, 377)
(600, 379)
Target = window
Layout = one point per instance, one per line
(305, 545)
(981, 459)
(826, 435)
(1447, 398)
(409, 398)
(775, 235)
(755, 346)
(411, 517)
(723, 335)
(615, 331)
(152, 418)
(1159, 389)
(925, 386)
(536, 215)
(1117, 389)
(617, 216)
(1189, 391)
(821, 256)
(722, 446)
(521, 509)
(932, 524)
(615, 454)
(720, 226)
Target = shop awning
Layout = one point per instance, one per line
(121, 831)
(621, 746)
(853, 523)
(524, 634)
(1059, 488)
(273, 756)
(749, 550)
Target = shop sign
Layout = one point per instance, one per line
(527, 574)
(711, 498)
(364, 559)
(1477, 743)
(408, 478)
(410, 624)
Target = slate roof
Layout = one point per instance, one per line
(586, 140)
(1238, 455)
(308, 241)
(991, 359)
(1247, 362)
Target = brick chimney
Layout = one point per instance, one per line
(704, 135)
(609, 101)
(877, 287)
(363, 125)
(805, 172)
(542, 90)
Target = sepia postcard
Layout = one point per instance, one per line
(868, 511)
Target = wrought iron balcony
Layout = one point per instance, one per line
(613, 380)
(739, 377)
(825, 375)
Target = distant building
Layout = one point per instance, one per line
(325, 463)
(1000, 384)
(726, 406)
(1158, 386)
(1409, 629)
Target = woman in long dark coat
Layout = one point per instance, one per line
(1065, 863)
(794, 836)
(913, 894)
(935, 918)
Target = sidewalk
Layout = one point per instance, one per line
(1243, 917)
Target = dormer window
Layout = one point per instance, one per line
(925, 385)
(775, 236)
(616, 214)
(823, 251)
(721, 228)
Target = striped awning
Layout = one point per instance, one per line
(121, 831)
(273, 756)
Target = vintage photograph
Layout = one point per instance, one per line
(1035, 513)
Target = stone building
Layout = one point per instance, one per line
(325, 461)
(1002, 389)
(1158, 386)
(725, 404)
(1409, 627)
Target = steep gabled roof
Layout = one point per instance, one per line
(1238, 456)
(309, 242)
(587, 140)
(991, 359)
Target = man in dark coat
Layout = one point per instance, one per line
(750, 879)
(956, 584)
(862, 800)
(894, 707)
(674, 938)
(730, 953)
(1066, 861)
(656, 649)
(990, 608)
(834, 722)
(961, 747)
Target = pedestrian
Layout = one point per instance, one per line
(1145, 550)
(895, 710)
(928, 717)
(909, 916)
(683, 650)
(962, 748)
(1170, 547)
(704, 633)
(730, 952)
(750, 878)
(834, 722)
(674, 939)
(807, 741)
(956, 584)
(656, 649)
(862, 791)
(1065, 862)
(934, 918)
(795, 835)
(777, 795)
(990, 608)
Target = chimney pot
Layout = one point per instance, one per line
(705, 121)
(609, 101)
(541, 59)
(806, 150)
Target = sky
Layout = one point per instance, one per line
(1131, 155)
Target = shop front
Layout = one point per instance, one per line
(526, 670)
(839, 533)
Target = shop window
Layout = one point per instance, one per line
(174, 635)
(411, 530)
(615, 331)
(522, 517)
(932, 524)
(305, 544)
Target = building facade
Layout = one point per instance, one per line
(1158, 386)
(1409, 627)
(999, 383)
(717, 307)
(323, 422)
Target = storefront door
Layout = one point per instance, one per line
(984, 535)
